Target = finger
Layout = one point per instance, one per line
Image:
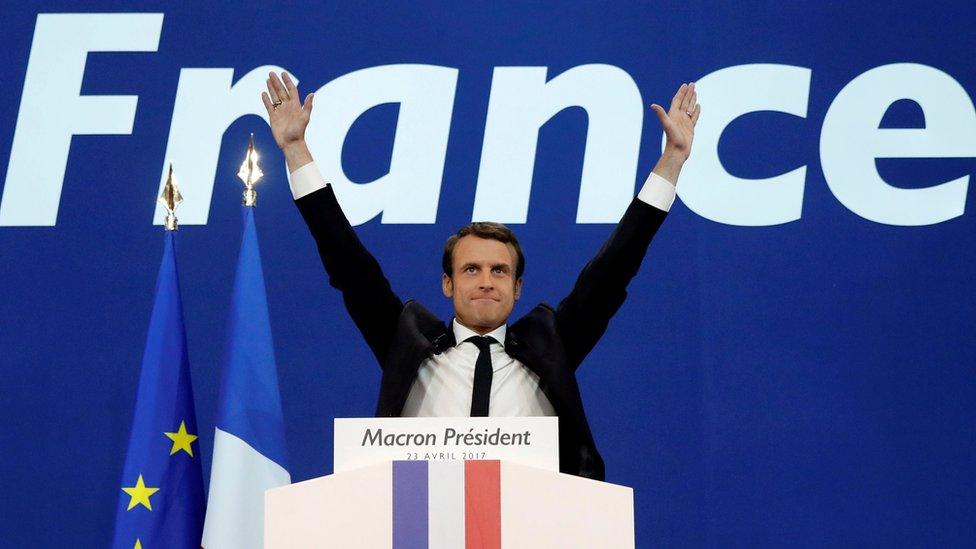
(661, 115)
(283, 89)
(266, 99)
(691, 100)
(684, 97)
(279, 88)
(271, 91)
(694, 115)
(678, 97)
(307, 107)
(290, 85)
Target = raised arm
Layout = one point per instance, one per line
(352, 270)
(601, 287)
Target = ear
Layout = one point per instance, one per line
(447, 286)
(518, 288)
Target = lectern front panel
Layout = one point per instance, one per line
(439, 505)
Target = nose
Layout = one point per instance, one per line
(485, 282)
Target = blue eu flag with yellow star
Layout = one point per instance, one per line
(161, 498)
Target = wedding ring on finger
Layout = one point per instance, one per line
(689, 114)
(276, 104)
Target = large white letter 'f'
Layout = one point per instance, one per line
(52, 108)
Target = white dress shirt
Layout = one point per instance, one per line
(445, 382)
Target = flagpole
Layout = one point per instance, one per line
(161, 501)
(170, 199)
(250, 173)
(249, 454)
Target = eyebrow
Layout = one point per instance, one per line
(504, 266)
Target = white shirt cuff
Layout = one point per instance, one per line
(657, 192)
(306, 180)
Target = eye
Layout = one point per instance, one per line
(499, 270)
(469, 269)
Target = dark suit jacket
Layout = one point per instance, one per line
(550, 342)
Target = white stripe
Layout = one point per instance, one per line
(235, 507)
(445, 504)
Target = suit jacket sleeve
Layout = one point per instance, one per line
(601, 287)
(352, 270)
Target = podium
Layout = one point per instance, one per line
(462, 504)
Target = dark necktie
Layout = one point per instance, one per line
(482, 376)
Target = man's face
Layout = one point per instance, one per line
(483, 285)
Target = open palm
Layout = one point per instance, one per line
(679, 120)
(289, 117)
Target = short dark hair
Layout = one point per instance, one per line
(487, 230)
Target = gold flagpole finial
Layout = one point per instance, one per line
(249, 173)
(170, 199)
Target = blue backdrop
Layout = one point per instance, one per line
(777, 376)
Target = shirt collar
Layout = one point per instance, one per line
(461, 333)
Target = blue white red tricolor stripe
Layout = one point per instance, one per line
(249, 442)
(446, 504)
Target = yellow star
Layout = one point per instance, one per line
(138, 544)
(181, 440)
(140, 494)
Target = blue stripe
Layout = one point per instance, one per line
(250, 404)
(410, 505)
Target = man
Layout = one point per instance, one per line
(481, 365)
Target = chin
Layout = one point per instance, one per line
(486, 316)
(485, 322)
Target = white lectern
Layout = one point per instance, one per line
(455, 504)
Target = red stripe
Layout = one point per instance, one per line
(482, 505)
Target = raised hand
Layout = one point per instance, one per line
(679, 121)
(679, 130)
(289, 118)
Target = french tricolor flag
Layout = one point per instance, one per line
(447, 504)
(249, 444)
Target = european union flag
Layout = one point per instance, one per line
(161, 500)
